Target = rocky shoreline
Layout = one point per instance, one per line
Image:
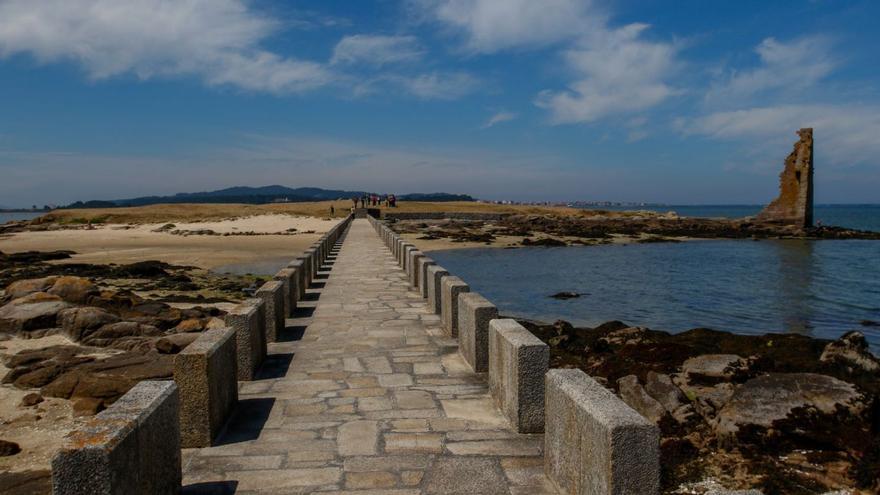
(75, 337)
(601, 227)
(782, 413)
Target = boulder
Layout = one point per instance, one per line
(24, 316)
(637, 398)
(661, 388)
(851, 350)
(8, 448)
(31, 399)
(21, 288)
(87, 407)
(106, 335)
(714, 368)
(79, 323)
(189, 325)
(172, 344)
(767, 399)
(74, 289)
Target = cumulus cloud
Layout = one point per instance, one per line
(617, 72)
(795, 64)
(499, 118)
(377, 50)
(215, 40)
(845, 134)
(489, 26)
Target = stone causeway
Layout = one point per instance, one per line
(365, 393)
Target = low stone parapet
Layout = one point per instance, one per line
(248, 320)
(132, 448)
(207, 377)
(274, 296)
(474, 314)
(517, 364)
(307, 275)
(299, 280)
(450, 288)
(593, 442)
(412, 265)
(287, 277)
(422, 268)
(435, 275)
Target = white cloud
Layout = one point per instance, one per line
(499, 118)
(215, 40)
(790, 65)
(844, 134)
(438, 85)
(493, 25)
(377, 50)
(618, 72)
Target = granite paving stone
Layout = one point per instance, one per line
(365, 393)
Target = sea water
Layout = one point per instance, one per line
(816, 288)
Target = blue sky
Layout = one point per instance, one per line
(665, 101)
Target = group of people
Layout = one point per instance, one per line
(366, 200)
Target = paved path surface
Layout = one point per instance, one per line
(368, 396)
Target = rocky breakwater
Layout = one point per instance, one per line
(781, 413)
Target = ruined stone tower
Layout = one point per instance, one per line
(794, 205)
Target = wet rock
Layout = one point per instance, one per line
(22, 288)
(25, 316)
(767, 399)
(76, 290)
(626, 336)
(852, 350)
(660, 387)
(713, 368)
(79, 323)
(566, 295)
(31, 399)
(8, 448)
(172, 344)
(636, 397)
(544, 242)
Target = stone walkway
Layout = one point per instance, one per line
(367, 395)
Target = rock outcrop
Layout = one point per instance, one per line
(794, 206)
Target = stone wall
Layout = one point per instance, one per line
(273, 295)
(207, 377)
(518, 362)
(594, 442)
(131, 448)
(794, 205)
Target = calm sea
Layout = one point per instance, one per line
(20, 215)
(817, 288)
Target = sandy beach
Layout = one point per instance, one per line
(128, 243)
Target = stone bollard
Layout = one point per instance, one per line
(315, 263)
(593, 442)
(307, 272)
(249, 323)
(404, 261)
(436, 274)
(414, 257)
(450, 288)
(206, 374)
(131, 448)
(299, 278)
(474, 315)
(422, 267)
(273, 294)
(287, 278)
(518, 362)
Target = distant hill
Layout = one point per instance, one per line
(260, 195)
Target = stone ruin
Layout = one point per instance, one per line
(794, 205)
